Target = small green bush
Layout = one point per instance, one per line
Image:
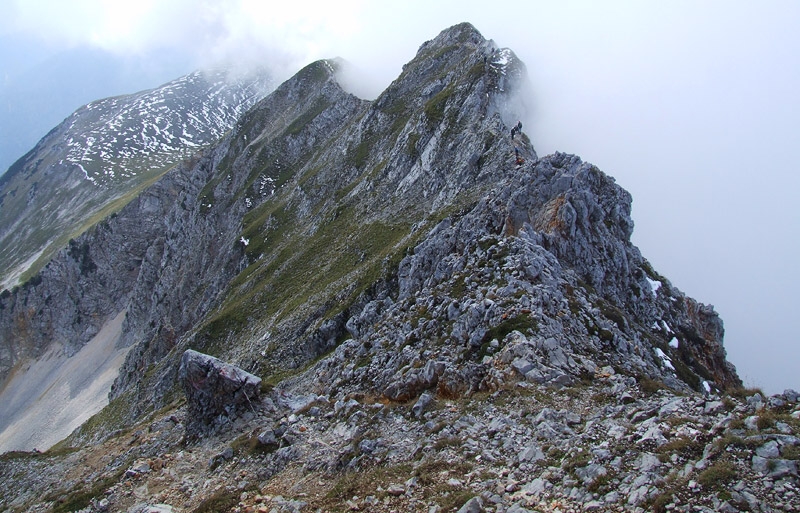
(222, 500)
(649, 386)
(715, 476)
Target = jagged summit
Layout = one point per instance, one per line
(374, 263)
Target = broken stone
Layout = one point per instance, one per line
(474, 505)
(769, 450)
(422, 403)
(215, 391)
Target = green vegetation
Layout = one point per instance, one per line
(115, 416)
(769, 419)
(790, 452)
(684, 446)
(435, 107)
(717, 475)
(431, 474)
(744, 393)
(81, 497)
(411, 145)
(361, 152)
(308, 116)
(522, 323)
(613, 313)
(735, 442)
(576, 461)
(363, 483)
(221, 500)
(649, 386)
(248, 445)
(602, 484)
(291, 268)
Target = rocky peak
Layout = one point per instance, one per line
(402, 268)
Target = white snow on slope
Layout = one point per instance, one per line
(664, 358)
(163, 125)
(654, 285)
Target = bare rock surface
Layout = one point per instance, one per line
(215, 391)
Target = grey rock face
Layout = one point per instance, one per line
(474, 505)
(215, 391)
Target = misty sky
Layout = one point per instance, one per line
(694, 107)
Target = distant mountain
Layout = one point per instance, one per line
(102, 155)
(37, 93)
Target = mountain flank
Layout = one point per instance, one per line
(390, 305)
(101, 156)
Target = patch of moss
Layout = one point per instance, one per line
(521, 323)
(114, 417)
(459, 287)
(790, 452)
(613, 313)
(411, 145)
(248, 445)
(744, 393)
(308, 116)
(435, 107)
(717, 475)
(81, 497)
(222, 500)
(649, 386)
(683, 446)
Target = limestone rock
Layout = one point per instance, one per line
(215, 391)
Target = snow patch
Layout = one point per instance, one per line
(654, 285)
(503, 57)
(674, 343)
(664, 358)
(86, 173)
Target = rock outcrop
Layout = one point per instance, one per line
(609, 444)
(216, 392)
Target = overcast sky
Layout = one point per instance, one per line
(694, 107)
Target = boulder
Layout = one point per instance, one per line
(474, 505)
(216, 392)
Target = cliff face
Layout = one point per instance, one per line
(405, 227)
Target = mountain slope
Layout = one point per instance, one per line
(417, 301)
(100, 156)
(263, 248)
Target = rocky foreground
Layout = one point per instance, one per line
(608, 443)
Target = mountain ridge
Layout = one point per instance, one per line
(421, 295)
(393, 161)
